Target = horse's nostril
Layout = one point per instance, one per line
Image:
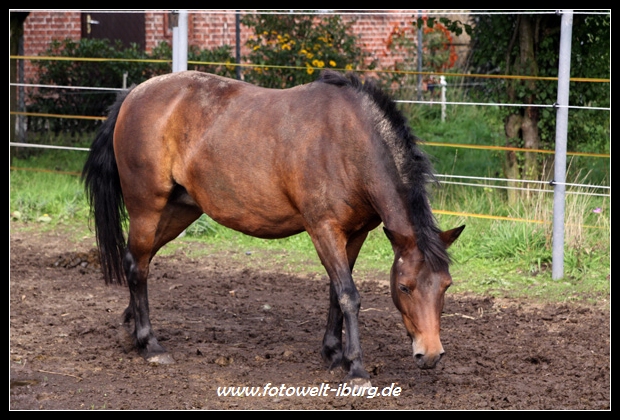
(425, 361)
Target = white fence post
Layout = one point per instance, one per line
(179, 43)
(443, 83)
(561, 129)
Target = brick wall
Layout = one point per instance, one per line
(207, 30)
(40, 28)
(214, 30)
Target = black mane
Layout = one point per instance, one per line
(417, 169)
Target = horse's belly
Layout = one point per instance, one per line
(255, 225)
(264, 215)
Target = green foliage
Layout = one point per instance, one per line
(438, 50)
(217, 61)
(494, 50)
(46, 187)
(455, 26)
(67, 101)
(289, 50)
(467, 126)
(132, 61)
(523, 240)
(202, 227)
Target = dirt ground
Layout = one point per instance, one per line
(229, 325)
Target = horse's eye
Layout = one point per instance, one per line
(404, 288)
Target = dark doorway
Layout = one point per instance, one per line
(126, 27)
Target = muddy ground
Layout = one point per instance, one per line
(230, 325)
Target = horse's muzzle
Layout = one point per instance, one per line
(426, 359)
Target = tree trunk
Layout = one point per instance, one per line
(522, 127)
(529, 126)
(531, 140)
(512, 127)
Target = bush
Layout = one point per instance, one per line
(67, 101)
(137, 64)
(200, 60)
(289, 50)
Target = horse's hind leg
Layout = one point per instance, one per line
(149, 230)
(332, 340)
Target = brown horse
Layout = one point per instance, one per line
(334, 158)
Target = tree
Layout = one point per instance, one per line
(528, 45)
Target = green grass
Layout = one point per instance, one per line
(46, 185)
(494, 257)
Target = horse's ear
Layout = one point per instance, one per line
(395, 238)
(449, 236)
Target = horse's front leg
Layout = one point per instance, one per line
(138, 310)
(332, 340)
(345, 301)
(350, 301)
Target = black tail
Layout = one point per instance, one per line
(103, 190)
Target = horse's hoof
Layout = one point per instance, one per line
(359, 383)
(161, 359)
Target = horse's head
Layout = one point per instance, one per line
(418, 293)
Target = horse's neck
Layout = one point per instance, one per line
(393, 209)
